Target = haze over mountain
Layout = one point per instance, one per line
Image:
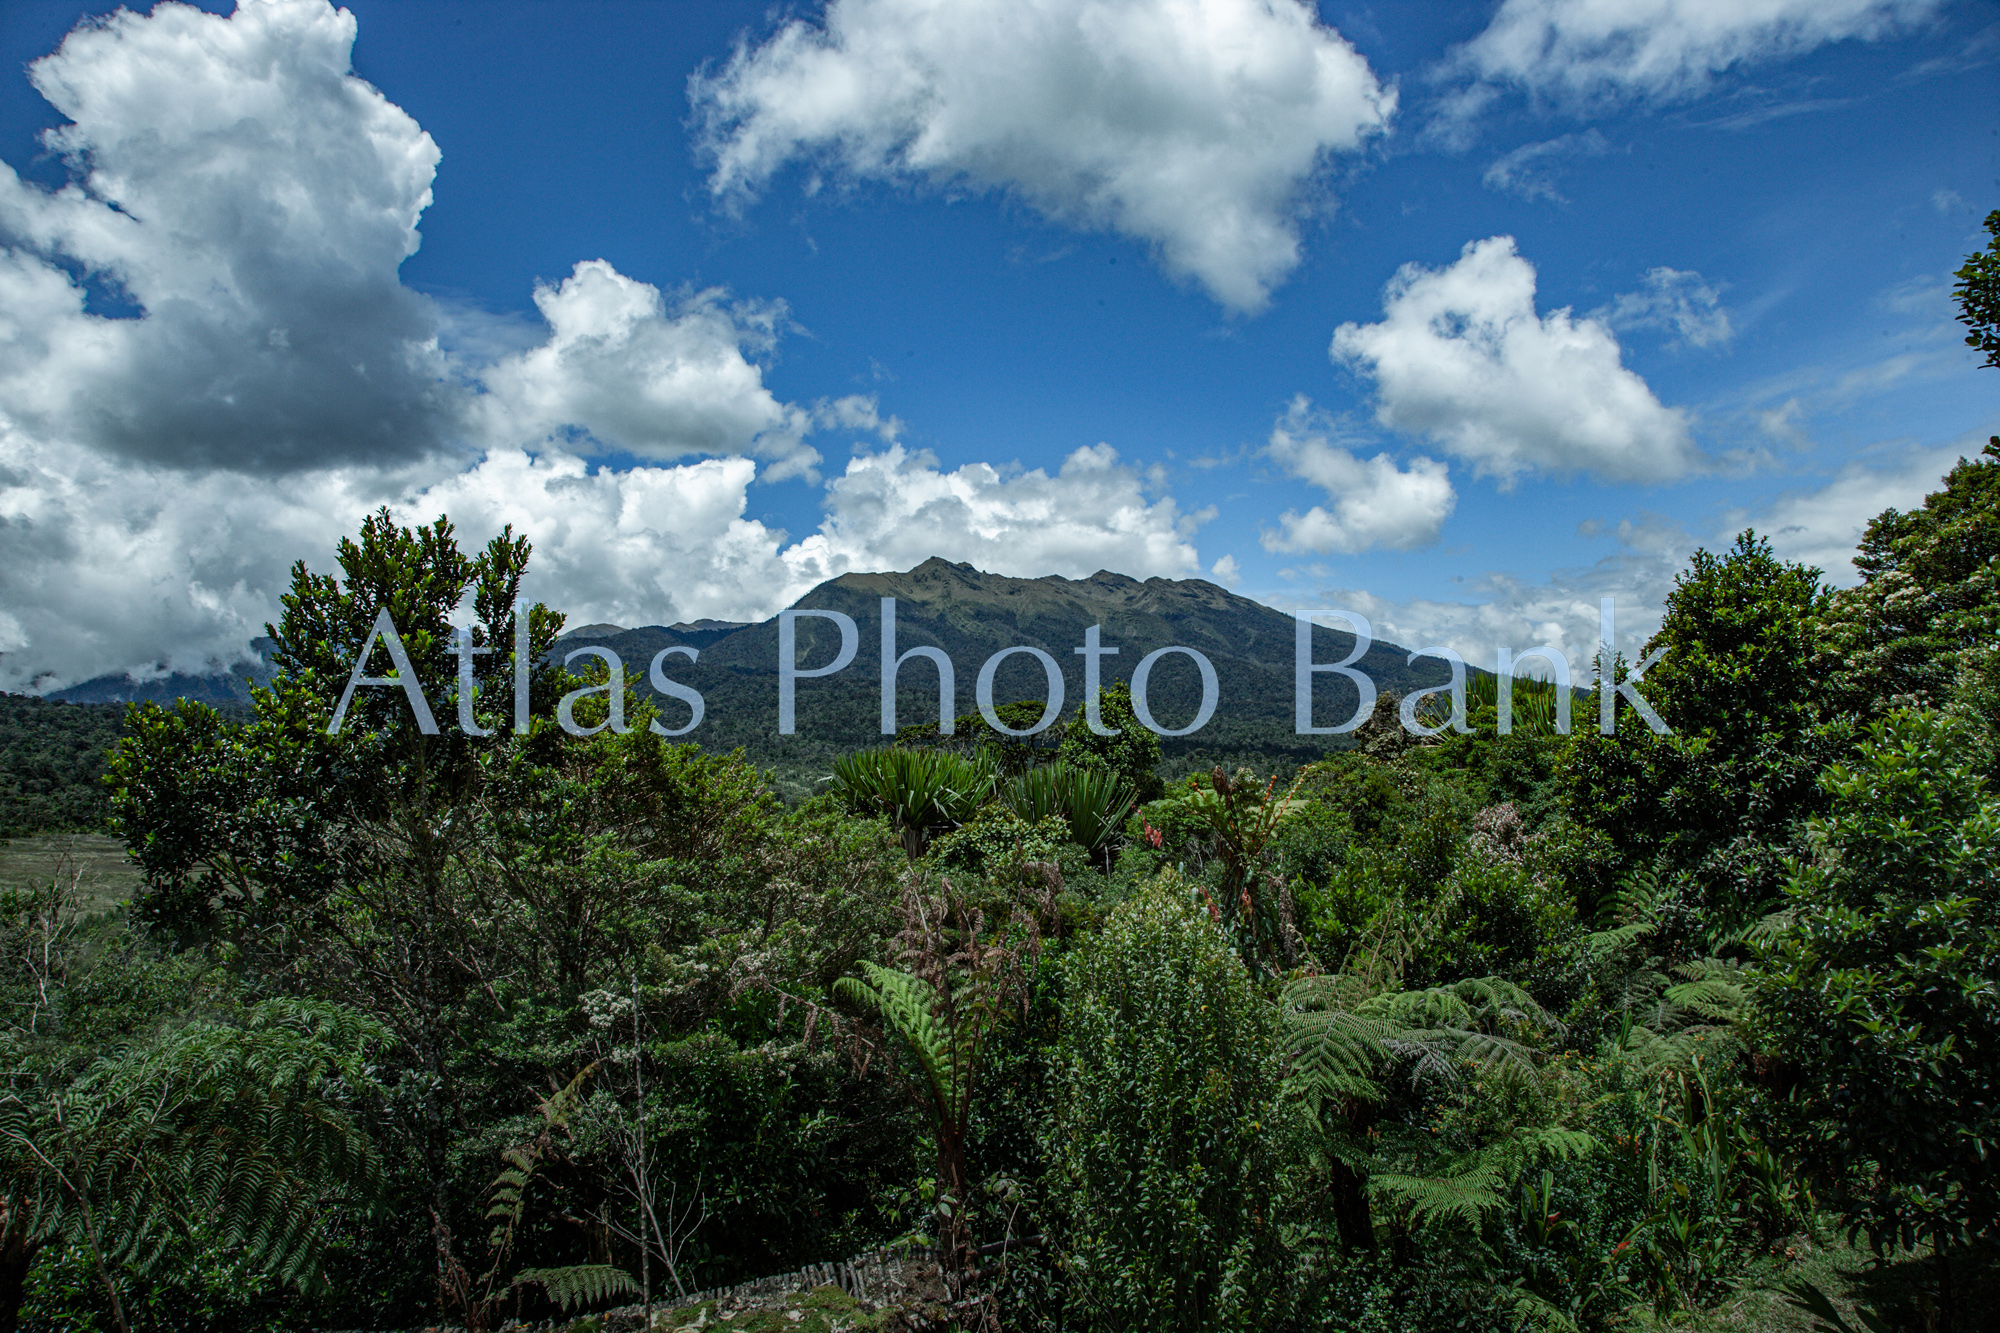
(230, 685)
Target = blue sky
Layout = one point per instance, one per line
(1461, 315)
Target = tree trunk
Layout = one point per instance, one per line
(955, 1245)
(1350, 1210)
(17, 1258)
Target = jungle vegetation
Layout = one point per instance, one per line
(1479, 1032)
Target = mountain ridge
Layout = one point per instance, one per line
(972, 615)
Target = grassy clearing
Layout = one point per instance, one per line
(106, 877)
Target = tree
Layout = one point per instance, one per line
(354, 855)
(1133, 753)
(1878, 1005)
(1718, 803)
(1978, 292)
(1929, 596)
(1344, 1031)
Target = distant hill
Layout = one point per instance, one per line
(221, 687)
(972, 615)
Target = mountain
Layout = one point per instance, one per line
(972, 615)
(231, 685)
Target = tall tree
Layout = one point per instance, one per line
(1721, 800)
(317, 855)
(1878, 1005)
(1929, 595)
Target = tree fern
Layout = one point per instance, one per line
(506, 1207)
(909, 1005)
(1344, 1035)
(239, 1131)
(1463, 1196)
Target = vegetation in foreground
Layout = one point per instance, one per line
(1472, 1031)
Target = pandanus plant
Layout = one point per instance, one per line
(923, 792)
(1092, 801)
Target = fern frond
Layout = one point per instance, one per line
(237, 1131)
(579, 1284)
(909, 1006)
(1462, 1196)
(1536, 1313)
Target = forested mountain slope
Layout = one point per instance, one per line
(972, 615)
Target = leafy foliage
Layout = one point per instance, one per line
(52, 760)
(1978, 293)
(1092, 802)
(1880, 1000)
(1723, 799)
(1166, 1135)
(1929, 594)
(237, 1130)
(921, 792)
(1329, 1050)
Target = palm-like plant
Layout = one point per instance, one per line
(1092, 801)
(923, 792)
(239, 1131)
(961, 980)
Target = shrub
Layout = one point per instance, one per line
(1164, 1145)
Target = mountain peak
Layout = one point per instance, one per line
(937, 564)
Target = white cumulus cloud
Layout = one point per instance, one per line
(1580, 51)
(1502, 609)
(1818, 526)
(896, 508)
(254, 199)
(1462, 357)
(1374, 502)
(265, 380)
(627, 372)
(1198, 127)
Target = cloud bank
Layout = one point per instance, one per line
(1197, 127)
(1818, 526)
(209, 365)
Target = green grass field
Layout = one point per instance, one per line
(106, 877)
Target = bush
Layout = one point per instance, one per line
(1164, 1147)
